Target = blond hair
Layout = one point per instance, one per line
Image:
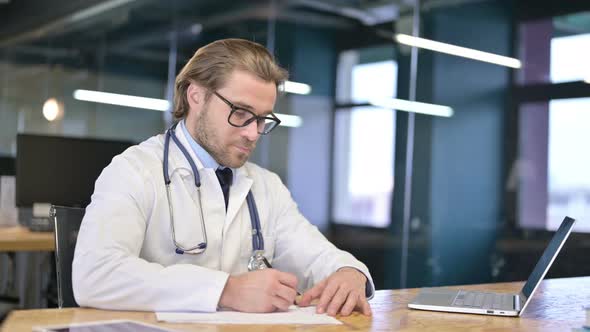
(212, 64)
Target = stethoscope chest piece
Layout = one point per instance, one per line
(257, 261)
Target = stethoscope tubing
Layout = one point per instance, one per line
(257, 238)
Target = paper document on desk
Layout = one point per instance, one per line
(295, 315)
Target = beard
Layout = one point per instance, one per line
(209, 139)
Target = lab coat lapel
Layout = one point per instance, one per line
(237, 219)
(237, 195)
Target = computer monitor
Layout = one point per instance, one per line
(60, 170)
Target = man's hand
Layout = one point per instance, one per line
(265, 290)
(341, 292)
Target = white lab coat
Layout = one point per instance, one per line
(125, 258)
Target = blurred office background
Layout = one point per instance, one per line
(466, 192)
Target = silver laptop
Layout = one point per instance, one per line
(489, 303)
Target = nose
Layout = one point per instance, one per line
(251, 131)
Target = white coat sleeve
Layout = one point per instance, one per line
(301, 249)
(107, 272)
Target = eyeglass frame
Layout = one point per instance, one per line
(235, 108)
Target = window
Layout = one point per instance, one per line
(569, 58)
(568, 182)
(553, 160)
(555, 50)
(364, 143)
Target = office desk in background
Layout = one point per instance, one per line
(32, 251)
(18, 238)
(557, 306)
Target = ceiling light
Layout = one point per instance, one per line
(288, 120)
(295, 87)
(196, 28)
(155, 104)
(412, 106)
(122, 100)
(458, 51)
(52, 109)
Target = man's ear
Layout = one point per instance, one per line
(195, 95)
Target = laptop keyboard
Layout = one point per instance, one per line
(484, 300)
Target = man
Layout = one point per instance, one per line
(142, 247)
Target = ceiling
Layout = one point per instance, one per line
(68, 26)
(140, 34)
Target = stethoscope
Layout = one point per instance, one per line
(257, 261)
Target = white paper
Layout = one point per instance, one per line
(295, 315)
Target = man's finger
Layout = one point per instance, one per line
(326, 297)
(365, 307)
(286, 293)
(312, 294)
(337, 301)
(350, 304)
(287, 279)
(280, 303)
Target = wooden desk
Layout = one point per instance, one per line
(18, 238)
(557, 306)
(32, 249)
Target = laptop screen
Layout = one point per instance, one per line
(548, 256)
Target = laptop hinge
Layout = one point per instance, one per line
(516, 300)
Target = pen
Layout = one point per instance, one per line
(267, 263)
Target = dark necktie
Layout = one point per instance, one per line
(225, 177)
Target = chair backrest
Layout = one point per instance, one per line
(67, 222)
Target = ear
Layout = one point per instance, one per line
(195, 95)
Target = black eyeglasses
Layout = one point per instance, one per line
(241, 117)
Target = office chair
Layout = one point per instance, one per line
(67, 222)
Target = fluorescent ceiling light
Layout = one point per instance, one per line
(412, 106)
(295, 87)
(155, 104)
(122, 100)
(289, 120)
(458, 51)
